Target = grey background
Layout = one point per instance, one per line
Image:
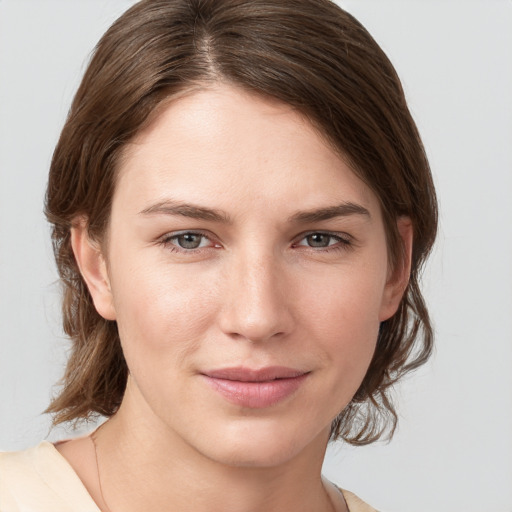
(453, 450)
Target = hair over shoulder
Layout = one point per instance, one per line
(309, 54)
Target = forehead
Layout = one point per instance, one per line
(221, 142)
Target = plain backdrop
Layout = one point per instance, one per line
(453, 449)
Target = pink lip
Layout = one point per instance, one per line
(255, 388)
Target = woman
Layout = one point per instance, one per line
(240, 205)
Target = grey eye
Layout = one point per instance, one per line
(189, 240)
(319, 240)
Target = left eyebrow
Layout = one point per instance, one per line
(345, 209)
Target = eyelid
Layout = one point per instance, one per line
(166, 240)
(345, 238)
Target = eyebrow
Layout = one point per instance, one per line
(344, 209)
(171, 207)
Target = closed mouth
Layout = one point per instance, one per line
(256, 388)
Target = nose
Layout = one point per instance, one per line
(256, 304)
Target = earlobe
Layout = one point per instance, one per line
(93, 268)
(399, 276)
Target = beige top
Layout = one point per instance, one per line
(41, 480)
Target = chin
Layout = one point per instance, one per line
(263, 445)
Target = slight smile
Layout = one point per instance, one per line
(255, 389)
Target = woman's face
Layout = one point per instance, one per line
(248, 275)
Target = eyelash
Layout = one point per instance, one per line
(343, 243)
(167, 241)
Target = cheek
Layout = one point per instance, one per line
(161, 311)
(347, 301)
(344, 319)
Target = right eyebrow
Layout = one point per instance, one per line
(172, 207)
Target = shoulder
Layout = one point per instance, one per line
(19, 473)
(40, 480)
(356, 504)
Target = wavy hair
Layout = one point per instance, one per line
(309, 54)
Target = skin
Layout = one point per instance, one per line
(269, 284)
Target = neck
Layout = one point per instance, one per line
(162, 472)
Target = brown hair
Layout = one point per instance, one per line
(309, 54)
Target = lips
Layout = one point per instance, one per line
(255, 388)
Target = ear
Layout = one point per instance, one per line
(93, 268)
(398, 277)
